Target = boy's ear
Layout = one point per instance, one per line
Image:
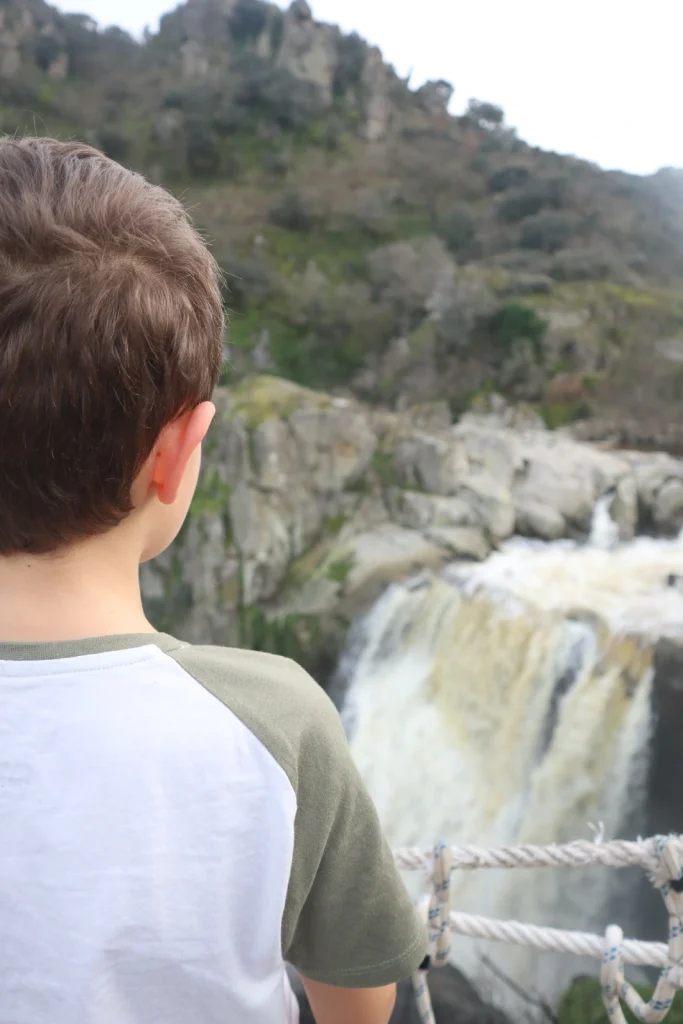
(177, 443)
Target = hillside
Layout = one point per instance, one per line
(371, 242)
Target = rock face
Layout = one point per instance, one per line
(309, 506)
(308, 50)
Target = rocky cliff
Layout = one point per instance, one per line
(310, 505)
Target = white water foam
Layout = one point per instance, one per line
(509, 702)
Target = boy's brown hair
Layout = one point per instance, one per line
(110, 326)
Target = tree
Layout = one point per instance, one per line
(291, 213)
(484, 115)
(458, 228)
(548, 231)
(202, 152)
(113, 144)
(508, 177)
(248, 20)
(515, 322)
(351, 51)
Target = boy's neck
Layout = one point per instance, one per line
(91, 589)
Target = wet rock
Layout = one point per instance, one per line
(460, 541)
(624, 508)
(310, 504)
(565, 476)
(659, 479)
(382, 556)
(534, 519)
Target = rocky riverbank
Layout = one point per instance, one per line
(310, 505)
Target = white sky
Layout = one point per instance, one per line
(602, 79)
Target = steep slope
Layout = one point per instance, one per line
(370, 240)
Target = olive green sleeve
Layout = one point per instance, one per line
(348, 919)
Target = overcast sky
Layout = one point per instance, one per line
(598, 78)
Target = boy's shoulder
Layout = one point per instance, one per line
(274, 697)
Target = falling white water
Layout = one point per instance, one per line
(509, 702)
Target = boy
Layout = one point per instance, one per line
(176, 822)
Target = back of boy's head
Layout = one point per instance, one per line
(110, 327)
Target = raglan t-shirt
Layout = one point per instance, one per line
(176, 823)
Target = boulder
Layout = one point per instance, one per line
(417, 511)
(667, 511)
(624, 508)
(659, 480)
(460, 541)
(534, 519)
(565, 476)
(490, 450)
(491, 503)
(432, 463)
(382, 556)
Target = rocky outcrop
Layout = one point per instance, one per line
(310, 505)
(308, 50)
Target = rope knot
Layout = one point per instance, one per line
(439, 918)
(437, 913)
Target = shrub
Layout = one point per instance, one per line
(275, 94)
(291, 213)
(113, 143)
(508, 177)
(582, 265)
(248, 20)
(332, 330)
(525, 202)
(484, 115)
(513, 323)
(405, 274)
(202, 153)
(458, 228)
(351, 51)
(548, 231)
(245, 280)
(174, 100)
(47, 50)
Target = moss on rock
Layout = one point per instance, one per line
(261, 398)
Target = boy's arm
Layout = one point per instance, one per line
(349, 922)
(333, 1005)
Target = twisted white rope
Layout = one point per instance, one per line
(557, 940)
(642, 853)
(661, 857)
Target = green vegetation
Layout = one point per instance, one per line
(563, 414)
(383, 465)
(458, 228)
(336, 251)
(211, 497)
(515, 322)
(291, 636)
(257, 399)
(339, 569)
(582, 1004)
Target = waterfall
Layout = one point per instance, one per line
(509, 702)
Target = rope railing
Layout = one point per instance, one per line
(642, 853)
(661, 857)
